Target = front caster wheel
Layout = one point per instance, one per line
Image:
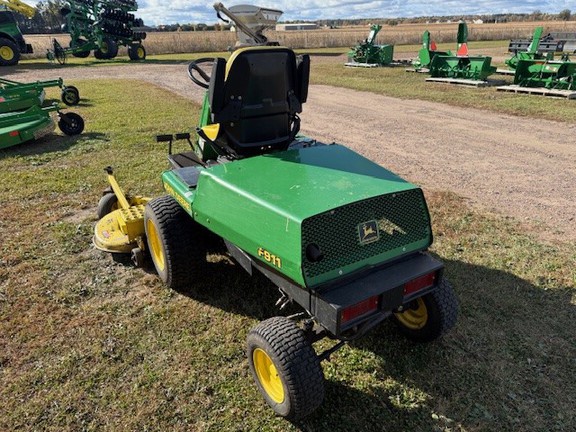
(286, 368)
(71, 124)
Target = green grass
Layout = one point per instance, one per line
(89, 344)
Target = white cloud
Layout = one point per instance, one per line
(187, 11)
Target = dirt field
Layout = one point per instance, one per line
(514, 166)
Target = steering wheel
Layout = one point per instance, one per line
(194, 68)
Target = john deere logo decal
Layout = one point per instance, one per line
(368, 232)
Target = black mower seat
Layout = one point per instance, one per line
(255, 97)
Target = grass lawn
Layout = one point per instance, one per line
(90, 344)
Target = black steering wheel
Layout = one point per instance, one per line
(194, 68)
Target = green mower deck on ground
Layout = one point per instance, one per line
(17, 96)
(34, 123)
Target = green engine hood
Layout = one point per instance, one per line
(274, 206)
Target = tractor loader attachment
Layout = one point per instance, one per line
(368, 54)
(15, 96)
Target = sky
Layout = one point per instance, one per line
(155, 12)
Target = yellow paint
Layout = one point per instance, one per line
(268, 375)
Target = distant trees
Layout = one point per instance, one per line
(565, 15)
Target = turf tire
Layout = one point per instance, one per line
(297, 365)
(107, 204)
(176, 254)
(441, 311)
(70, 96)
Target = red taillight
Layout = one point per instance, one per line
(360, 309)
(14, 133)
(420, 283)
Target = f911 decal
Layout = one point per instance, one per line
(276, 261)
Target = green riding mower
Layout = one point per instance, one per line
(340, 236)
(16, 96)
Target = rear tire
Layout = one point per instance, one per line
(172, 238)
(430, 316)
(137, 52)
(285, 367)
(108, 50)
(9, 53)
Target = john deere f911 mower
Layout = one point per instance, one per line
(339, 235)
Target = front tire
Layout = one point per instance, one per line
(70, 96)
(107, 204)
(430, 316)
(285, 367)
(172, 242)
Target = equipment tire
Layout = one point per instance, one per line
(137, 52)
(70, 96)
(107, 204)
(430, 316)
(108, 50)
(9, 53)
(285, 367)
(71, 124)
(172, 240)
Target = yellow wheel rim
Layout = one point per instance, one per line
(6, 53)
(104, 48)
(155, 245)
(268, 375)
(414, 318)
(140, 52)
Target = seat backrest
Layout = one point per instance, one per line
(255, 97)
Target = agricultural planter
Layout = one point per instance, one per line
(102, 27)
(16, 96)
(339, 235)
(35, 122)
(368, 54)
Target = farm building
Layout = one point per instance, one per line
(296, 26)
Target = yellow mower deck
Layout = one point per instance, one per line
(122, 229)
(118, 232)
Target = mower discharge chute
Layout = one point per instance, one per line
(368, 54)
(101, 26)
(461, 66)
(339, 235)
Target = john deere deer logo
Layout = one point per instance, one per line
(368, 232)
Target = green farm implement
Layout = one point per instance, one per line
(341, 237)
(102, 27)
(368, 54)
(462, 66)
(34, 123)
(16, 96)
(534, 51)
(12, 43)
(427, 53)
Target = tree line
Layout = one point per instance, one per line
(48, 19)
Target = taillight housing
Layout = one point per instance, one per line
(419, 283)
(359, 309)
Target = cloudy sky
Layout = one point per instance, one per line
(188, 11)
